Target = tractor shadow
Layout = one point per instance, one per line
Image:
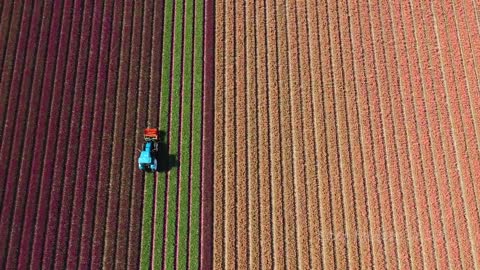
(165, 160)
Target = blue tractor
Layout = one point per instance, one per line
(148, 157)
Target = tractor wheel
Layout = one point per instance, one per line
(155, 165)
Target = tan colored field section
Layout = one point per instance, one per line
(347, 134)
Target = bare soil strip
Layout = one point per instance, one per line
(346, 134)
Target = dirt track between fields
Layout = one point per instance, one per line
(347, 134)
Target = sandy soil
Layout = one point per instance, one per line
(347, 134)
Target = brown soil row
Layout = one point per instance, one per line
(346, 134)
